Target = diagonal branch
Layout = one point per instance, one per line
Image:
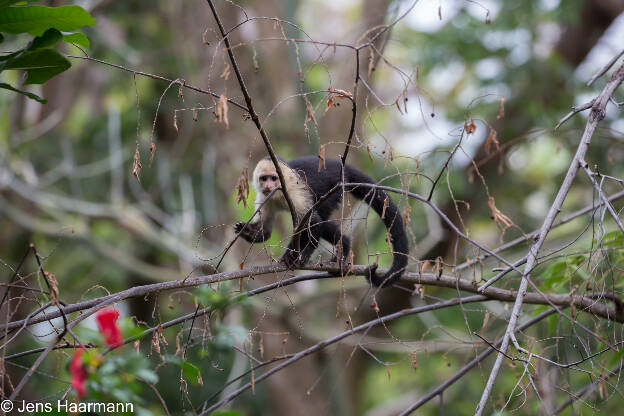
(254, 115)
(597, 113)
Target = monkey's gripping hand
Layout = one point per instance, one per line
(252, 232)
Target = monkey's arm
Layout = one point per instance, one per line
(258, 231)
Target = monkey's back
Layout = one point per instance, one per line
(320, 182)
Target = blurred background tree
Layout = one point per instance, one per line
(511, 68)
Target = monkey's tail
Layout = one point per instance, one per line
(392, 220)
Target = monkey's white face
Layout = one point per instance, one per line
(268, 182)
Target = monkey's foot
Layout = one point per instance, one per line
(371, 274)
(343, 268)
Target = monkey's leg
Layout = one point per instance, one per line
(308, 241)
(330, 231)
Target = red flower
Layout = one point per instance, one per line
(107, 322)
(78, 372)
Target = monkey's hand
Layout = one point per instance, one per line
(248, 232)
(238, 227)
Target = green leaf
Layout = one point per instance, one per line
(191, 372)
(226, 413)
(7, 3)
(37, 19)
(48, 40)
(26, 93)
(77, 38)
(40, 64)
(613, 239)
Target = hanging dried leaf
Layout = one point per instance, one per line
(414, 363)
(396, 103)
(242, 188)
(222, 111)
(501, 108)
(351, 260)
(195, 113)
(370, 156)
(374, 305)
(175, 121)
(371, 61)
(486, 318)
(470, 127)
(226, 72)
(54, 290)
(406, 214)
(152, 152)
(336, 94)
(502, 221)
(321, 157)
(389, 156)
(254, 58)
(385, 206)
(136, 164)
(181, 91)
(492, 140)
(439, 267)
(310, 114)
(330, 103)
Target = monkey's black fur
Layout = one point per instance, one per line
(320, 226)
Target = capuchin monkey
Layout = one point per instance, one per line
(305, 184)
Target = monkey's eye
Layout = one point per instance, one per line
(274, 178)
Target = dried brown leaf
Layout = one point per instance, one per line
(501, 108)
(486, 318)
(242, 188)
(222, 111)
(152, 152)
(54, 290)
(371, 62)
(370, 156)
(385, 206)
(502, 221)
(406, 214)
(321, 157)
(226, 72)
(492, 140)
(310, 114)
(470, 127)
(374, 305)
(136, 164)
